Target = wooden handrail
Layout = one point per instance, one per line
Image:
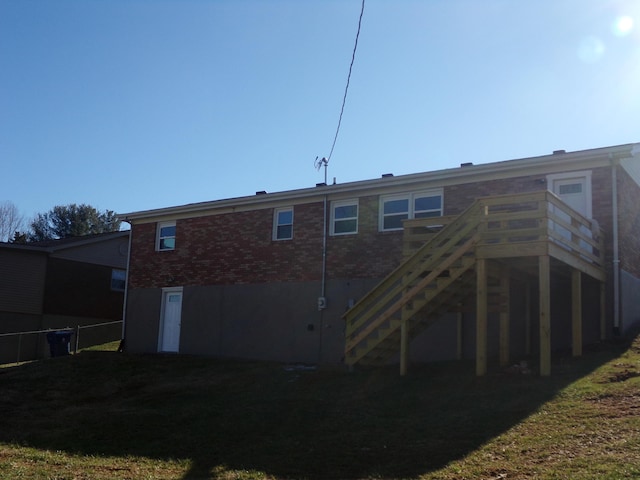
(392, 286)
(502, 225)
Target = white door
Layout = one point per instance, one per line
(573, 192)
(170, 321)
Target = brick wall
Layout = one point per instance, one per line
(237, 248)
(458, 197)
(629, 227)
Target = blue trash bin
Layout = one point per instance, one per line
(59, 343)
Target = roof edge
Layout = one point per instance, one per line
(460, 174)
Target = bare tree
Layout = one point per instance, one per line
(11, 221)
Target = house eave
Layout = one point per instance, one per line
(556, 162)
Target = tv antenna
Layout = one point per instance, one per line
(319, 163)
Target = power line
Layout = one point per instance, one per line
(346, 89)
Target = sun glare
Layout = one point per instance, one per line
(623, 25)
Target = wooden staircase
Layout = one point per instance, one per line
(452, 261)
(431, 282)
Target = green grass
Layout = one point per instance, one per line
(105, 415)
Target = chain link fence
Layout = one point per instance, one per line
(19, 347)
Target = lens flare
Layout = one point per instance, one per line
(623, 26)
(591, 49)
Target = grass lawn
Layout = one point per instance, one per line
(107, 415)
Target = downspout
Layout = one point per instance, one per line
(616, 256)
(322, 301)
(126, 287)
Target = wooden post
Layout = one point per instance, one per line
(504, 317)
(544, 274)
(527, 318)
(603, 311)
(576, 312)
(481, 317)
(459, 335)
(404, 346)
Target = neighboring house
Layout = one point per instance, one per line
(58, 284)
(508, 259)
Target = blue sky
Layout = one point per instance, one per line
(131, 105)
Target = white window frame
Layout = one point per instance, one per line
(276, 214)
(343, 203)
(410, 197)
(159, 236)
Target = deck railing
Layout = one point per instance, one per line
(523, 224)
(505, 226)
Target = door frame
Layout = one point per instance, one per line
(166, 291)
(583, 174)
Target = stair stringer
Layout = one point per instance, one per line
(374, 322)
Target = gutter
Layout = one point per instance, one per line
(451, 176)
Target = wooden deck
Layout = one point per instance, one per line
(450, 260)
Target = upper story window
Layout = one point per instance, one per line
(283, 223)
(344, 217)
(166, 236)
(396, 208)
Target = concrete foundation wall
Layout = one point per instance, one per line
(281, 322)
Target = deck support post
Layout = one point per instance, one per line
(576, 312)
(481, 317)
(504, 316)
(527, 318)
(544, 274)
(459, 335)
(404, 346)
(603, 311)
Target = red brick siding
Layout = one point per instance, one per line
(237, 248)
(370, 253)
(458, 197)
(602, 206)
(629, 225)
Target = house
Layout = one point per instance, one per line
(76, 281)
(508, 260)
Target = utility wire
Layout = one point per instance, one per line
(346, 89)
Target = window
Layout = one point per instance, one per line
(394, 211)
(283, 224)
(427, 205)
(344, 217)
(396, 208)
(166, 239)
(118, 280)
(569, 188)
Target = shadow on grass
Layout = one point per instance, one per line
(287, 423)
